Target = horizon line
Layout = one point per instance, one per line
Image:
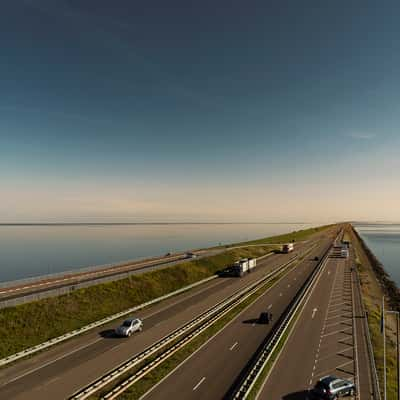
(145, 223)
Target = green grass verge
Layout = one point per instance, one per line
(288, 237)
(48, 318)
(153, 377)
(372, 307)
(51, 317)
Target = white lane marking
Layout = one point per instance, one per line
(201, 381)
(51, 362)
(270, 306)
(339, 331)
(335, 317)
(57, 378)
(334, 324)
(313, 312)
(233, 346)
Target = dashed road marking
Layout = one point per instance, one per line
(233, 346)
(201, 381)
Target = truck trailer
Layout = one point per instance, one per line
(252, 263)
(243, 266)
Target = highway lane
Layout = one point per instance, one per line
(324, 342)
(64, 369)
(287, 381)
(212, 370)
(35, 289)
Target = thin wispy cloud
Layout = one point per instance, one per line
(362, 135)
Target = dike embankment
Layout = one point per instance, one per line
(389, 287)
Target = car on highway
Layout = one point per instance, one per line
(265, 318)
(129, 326)
(190, 255)
(331, 388)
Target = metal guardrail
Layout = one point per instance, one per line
(79, 331)
(115, 392)
(375, 379)
(76, 332)
(247, 384)
(215, 312)
(93, 269)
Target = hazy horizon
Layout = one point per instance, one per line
(199, 111)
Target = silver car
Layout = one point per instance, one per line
(129, 326)
(331, 388)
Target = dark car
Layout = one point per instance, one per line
(265, 318)
(316, 258)
(331, 388)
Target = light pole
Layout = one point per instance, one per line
(384, 346)
(398, 351)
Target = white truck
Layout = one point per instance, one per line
(252, 263)
(287, 247)
(243, 266)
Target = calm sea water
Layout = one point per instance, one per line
(27, 251)
(384, 241)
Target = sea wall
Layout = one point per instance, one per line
(388, 285)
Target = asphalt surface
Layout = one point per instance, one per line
(48, 286)
(328, 339)
(211, 371)
(63, 369)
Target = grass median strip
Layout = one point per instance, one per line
(287, 237)
(153, 377)
(52, 317)
(48, 318)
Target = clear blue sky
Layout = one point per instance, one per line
(199, 110)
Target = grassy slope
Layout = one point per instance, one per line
(288, 237)
(48, 318)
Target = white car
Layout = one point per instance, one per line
(129, 326)
(190, 255)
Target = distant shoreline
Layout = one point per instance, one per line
(142, 223)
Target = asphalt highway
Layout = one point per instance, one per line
(48, 286)
(60, 371)
(211, 371)
(328, 339)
